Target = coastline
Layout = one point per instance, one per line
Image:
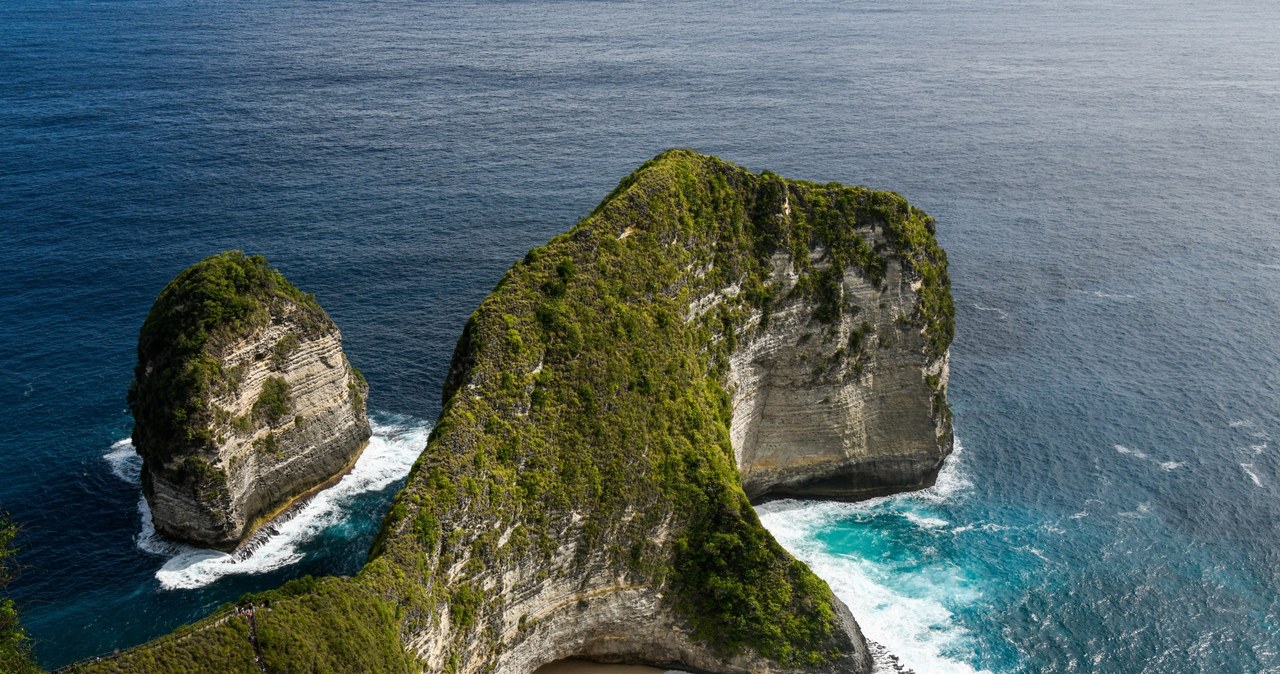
(255, 527)
(573, 666)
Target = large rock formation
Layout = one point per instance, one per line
(581, 492)
(845, 405)
(243, 400)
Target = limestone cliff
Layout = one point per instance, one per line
(582, 494)
(844, 405)
(243, 400)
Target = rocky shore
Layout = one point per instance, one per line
(243, 401)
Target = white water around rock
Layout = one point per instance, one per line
(906, 616)
(391, 452)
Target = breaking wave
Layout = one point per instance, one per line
(906, 613)
(394, 446)
(1248, 469)
(1139, 454)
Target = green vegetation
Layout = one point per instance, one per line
(328, 625)
(273, 402)
(357, 395)
(208, 481)
(464, 603)
(364, 384)
(242, 424)
(219, 643)
(624, 399)
(210, 304)
(283, 349)
(268, 444)
(912, 232)
(307, 625)
(15, 647)
(585, 405)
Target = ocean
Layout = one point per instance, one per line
(1106, 178)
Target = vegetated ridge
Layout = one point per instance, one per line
(580, 494)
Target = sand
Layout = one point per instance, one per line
(584, 667)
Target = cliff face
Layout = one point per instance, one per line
(705, 329)
(847, 408)
(243, 400)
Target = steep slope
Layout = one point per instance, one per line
(15, 645)
(243, 400)
(839, 380)
(581, 493)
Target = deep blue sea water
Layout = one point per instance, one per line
(1106, 176)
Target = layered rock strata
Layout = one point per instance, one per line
(845, 409)
(609, 408)
(243, 401)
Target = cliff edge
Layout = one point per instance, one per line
(242, 400)
(705, 335)
(839, 367)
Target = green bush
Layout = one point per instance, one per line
(283, 349)
(274, 402)
(15, 646)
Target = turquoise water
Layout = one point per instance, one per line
(1105, 177)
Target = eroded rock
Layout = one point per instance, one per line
(243, 400)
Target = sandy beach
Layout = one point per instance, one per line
(584, 667)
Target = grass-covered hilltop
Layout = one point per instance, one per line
(242, 400)
(581, 493)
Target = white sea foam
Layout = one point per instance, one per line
(1139, 454)
(1003, 314)
(1258, 449)
(1035, 551)
(905, 613)
(1109, 296)
(952, 481)
(1248, 468)
(388, 457)
(988, 527)
(1131, 452)
(919, 629)
(1240, 423)
(124, 462)
(925, 522)
(1142, 510)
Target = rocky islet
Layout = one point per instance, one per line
(583, 491)
(243, 400)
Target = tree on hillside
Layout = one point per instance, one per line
(15, 647)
